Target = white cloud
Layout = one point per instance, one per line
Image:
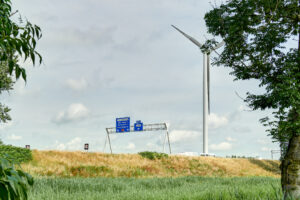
(188, 154)
(241, 129)
(215, 121)
(5, 125)
(221, 146)
(230, 139)
(242, 108)
(77, 85)
(265, 149)
(75, 112)
(237, 113)
(113, 136)
(130, 146)
(74, 144)
(14, 137)
(182, 135)
(262, 141)
(20, 88)
(60, 146)
(150, 145)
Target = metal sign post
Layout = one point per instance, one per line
(169, 141)
(138, 127)
(86, 146)
(108, 140)
(274, 152)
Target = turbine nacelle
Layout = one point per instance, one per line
(198, 44)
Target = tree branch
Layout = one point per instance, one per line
(13, 13)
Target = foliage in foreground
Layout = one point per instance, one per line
(13, 183)
(15, 154)
(18, 40)
(197, 188)
(153, 155)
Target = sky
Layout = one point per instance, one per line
(107, 59)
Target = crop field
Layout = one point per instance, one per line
(206, 188)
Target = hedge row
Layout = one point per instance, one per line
(153, 155)
(15, 154)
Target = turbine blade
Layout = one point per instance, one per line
(193, 40)
(208, 82)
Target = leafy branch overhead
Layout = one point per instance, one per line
(17, 40)
(262, 42)
(256, 33)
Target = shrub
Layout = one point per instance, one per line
(15, 154)
(13, 183)
(153, 155)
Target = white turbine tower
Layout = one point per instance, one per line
(206, 86)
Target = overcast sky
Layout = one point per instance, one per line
(106, 59)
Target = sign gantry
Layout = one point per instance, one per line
(123, 126)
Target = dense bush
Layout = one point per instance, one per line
(15, 154)
(153, 155)
(13, 183)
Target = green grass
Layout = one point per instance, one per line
(246, 188)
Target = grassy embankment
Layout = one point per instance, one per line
(81, 164)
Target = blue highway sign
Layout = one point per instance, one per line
(123, 124)
(138, 126)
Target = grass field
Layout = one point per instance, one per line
(81, 164)
(79, 175)
(206, 188)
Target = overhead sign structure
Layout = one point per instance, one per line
(123, 124)
(138, 126)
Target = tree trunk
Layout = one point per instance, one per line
(290, 169)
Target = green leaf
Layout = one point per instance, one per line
(24, 74)
(11, 66)
(32, 57)
(18, 72)
(3, 191)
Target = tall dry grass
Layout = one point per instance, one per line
(73, 164)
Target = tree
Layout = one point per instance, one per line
(6, 84)
(256, 33)
(17, 41)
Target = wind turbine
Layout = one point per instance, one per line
(206, 86)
